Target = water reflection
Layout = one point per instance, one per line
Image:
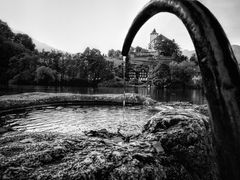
(163, 95)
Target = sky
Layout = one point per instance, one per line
(73, 25)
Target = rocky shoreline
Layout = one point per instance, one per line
(9, 102)
(174, 144)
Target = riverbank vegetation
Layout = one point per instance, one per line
(22, 64)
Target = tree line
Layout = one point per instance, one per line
(21, 63)
(182, 72)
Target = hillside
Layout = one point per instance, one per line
(40, 46)
(188, 53)
(236, 50)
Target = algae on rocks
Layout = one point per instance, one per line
(40, 98)
(175, 144)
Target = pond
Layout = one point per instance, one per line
(195, 96)
(77, 119)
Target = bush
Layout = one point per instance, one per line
(25, 77)
(182, 73)
(45, 75)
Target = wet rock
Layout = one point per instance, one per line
(35, 99)
(146, 158)
(174, 144)
(186, 135)
(102, 133)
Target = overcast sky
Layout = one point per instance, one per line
(72, 25)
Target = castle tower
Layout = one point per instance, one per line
(153, 36)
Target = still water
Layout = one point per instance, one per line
(77, 119)
(163, 95)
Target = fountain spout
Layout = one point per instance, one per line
(220, 74)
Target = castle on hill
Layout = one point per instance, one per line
(147, 58)
(150, 52)
(144, 61)
(153, 37)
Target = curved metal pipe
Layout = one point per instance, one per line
(220, 73)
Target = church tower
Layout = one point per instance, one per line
(153, 36)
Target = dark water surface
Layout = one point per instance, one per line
(77, 119)
(163, 95)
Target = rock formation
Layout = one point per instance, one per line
(174, 144)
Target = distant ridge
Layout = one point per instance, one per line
(43, 46)
(40, 45)
(236, 50)
(188, 53)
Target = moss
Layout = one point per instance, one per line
(24, 100)
(175, 144)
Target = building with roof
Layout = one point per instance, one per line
(149, 58)
(153, 37)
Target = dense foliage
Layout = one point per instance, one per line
(176, 75)
(20, 63)
(166, 47)
(169, 48)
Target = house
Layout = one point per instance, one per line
(146, 57)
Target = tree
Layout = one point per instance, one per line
(182, 73)
(44, 75)
(114, 54)
(111, 53)
(166, 47)
(23, 68)
(98, 68)
(25, 40)
(118, 54)
(5, 31)
(179, 57)
(194, 59)
(8, 49)
(87, 51)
